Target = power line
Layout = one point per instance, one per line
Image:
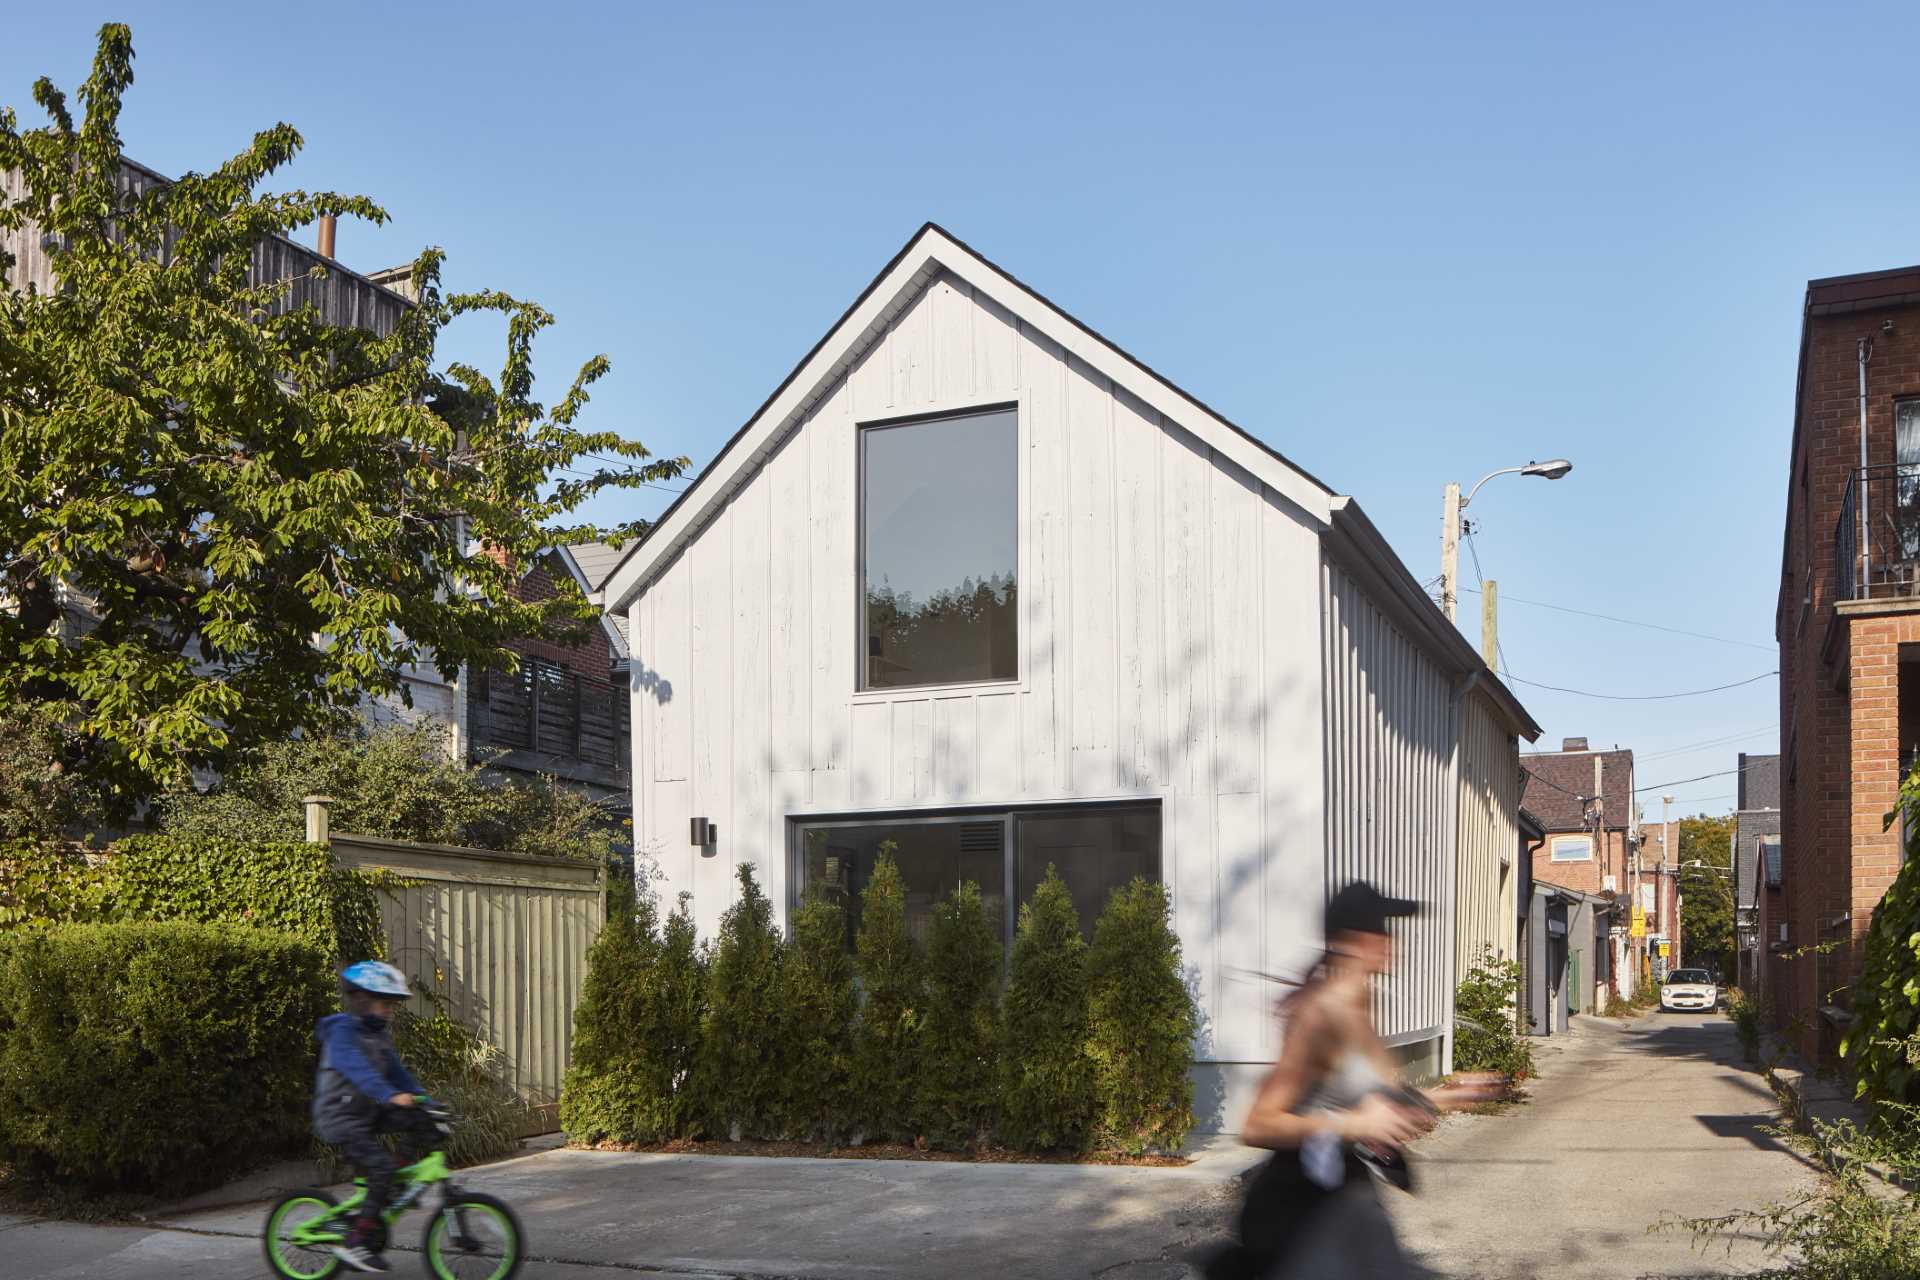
(1710, 742)
(1681, 782)
(1643, 697)
(1626, 622)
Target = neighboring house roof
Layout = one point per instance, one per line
(1759, 782)
(933, 252)
(595, 560)
(1559, 784)
(1531, 827)
(1751, 827)
(588, 564)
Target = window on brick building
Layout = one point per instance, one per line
(1573, 849)
(1770, 860)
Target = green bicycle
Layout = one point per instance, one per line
(470, 1236)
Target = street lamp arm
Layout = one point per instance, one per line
(1504, 471)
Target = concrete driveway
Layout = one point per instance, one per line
(598, 1216)
(1628, 1122)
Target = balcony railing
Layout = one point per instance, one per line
(1886, 563)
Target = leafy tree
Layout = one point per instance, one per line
(1706, 908)
(740, 1076)
(819, 1005)
(960, 1050)
(40, 795)
(1882, 1047)
(1049, 1100)
(267, 515)
(396, 782)
(887, 1044)
(1141, 1021)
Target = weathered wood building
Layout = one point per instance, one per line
(976, 582)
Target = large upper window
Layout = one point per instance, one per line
(1095, 848)
(939, 542)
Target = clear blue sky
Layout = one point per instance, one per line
(1404, 244)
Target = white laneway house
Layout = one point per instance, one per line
(977, 582)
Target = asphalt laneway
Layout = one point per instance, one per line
(1629, 1122)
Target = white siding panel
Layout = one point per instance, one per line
(912, 751)
(749, 754)
(789, 586)
(1235, 600)
(996, 358)
(833, 562)
(1243, 1013)
(1187, 597)
(951, 340)
(1043, 372)
(1090, 585)
(667, 682)
(955, 746)
(1387, 794)
(1139, 703)
(910, 356)
(710, 707)
(872, 736)
(997, 747)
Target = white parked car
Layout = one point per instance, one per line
(1689, 989)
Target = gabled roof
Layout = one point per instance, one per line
(587, 564)
(1560, 783)
(1759, 782)
(931, 251)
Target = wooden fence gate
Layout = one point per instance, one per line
(502, 938)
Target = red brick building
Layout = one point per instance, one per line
(1848, 623)
(1583, 800)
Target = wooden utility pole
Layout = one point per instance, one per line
(1450, 552)
(1490, 624)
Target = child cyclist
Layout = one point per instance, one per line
(362, 1092)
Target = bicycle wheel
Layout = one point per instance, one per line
(298, 1238)
(476, 1237)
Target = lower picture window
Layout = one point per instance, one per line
(1096, 849)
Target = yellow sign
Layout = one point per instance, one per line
(1639, 921)
(1666, 949)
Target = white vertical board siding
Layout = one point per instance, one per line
(1388, 746)
(1486, 900)
(1170, 651)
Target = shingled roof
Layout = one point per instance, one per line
(1559, 784)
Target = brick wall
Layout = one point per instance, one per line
(1589, 876)
(1840, 704)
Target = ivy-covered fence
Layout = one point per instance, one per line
(761, 1036)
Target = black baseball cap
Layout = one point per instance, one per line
(1361, 908)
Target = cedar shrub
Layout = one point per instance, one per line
(887, 1041)
(1048, 1099)
(1140, 1023)
(960, 1039)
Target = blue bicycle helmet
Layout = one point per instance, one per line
(376, 978)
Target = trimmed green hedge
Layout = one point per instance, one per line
(766, 1037)
(293, 887)
(155, 1056)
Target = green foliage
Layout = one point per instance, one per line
(960, 1033)
(820, 1005)
(464, 1071)
(1706, 909)
(1141, 1020)
(1752, 1015)
(1050, 1099)
(396, 782)
(1485, 1035)
(740, 1074)
(41, 797)
(223, 478)
(148, 1057)
(887, 1040)
(292, 887)
(637, 1030)
(1883, 1045)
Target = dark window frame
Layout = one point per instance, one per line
(1009, 817)
(861, 430)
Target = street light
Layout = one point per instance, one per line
(1552, 469)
